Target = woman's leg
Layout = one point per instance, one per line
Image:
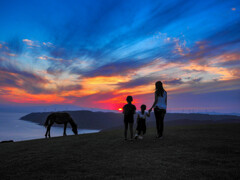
(161, 128)
(157, 117)
(139, 132)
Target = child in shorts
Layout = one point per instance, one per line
(129, 110)
(141, 122)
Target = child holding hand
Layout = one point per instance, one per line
(141, 122)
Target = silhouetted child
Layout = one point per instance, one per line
(129, 111)
(141, 122)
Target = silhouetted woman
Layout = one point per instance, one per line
(159, 105)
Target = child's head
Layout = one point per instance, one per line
(129, 99)
(143, 107)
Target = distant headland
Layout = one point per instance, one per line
(107, 120)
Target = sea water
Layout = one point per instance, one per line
(12, 128)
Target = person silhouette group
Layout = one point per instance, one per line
(159, 106)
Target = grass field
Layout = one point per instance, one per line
(210, 151)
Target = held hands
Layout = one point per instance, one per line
(150, 110)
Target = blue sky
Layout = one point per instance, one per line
(94, 53)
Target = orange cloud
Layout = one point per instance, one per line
(92, 85)
(48, 44)
(106, 80)
(30, 42)
(103, 83)
(115, 100)
(20, 96)
(51, 58)
(180, 47)
(9, 54)
(227, 57)
(212, 66)
(224, 73)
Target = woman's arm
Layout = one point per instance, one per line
(166, 99)
(155, 101)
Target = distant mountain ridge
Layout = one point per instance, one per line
(22, 108)
(107, 120)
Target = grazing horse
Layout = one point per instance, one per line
(60, 118)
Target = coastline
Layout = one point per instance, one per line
(13, 128)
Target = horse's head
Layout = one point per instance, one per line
(75, 131)
(74, 126)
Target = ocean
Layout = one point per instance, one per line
(12, 128)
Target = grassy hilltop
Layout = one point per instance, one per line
(210, 151)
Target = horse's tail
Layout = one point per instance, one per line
(47, 120)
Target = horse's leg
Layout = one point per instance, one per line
(49, 128)
(64, 131)
(46, 132)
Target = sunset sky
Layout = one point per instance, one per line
(94, 53)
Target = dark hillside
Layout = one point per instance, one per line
(210, 151)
